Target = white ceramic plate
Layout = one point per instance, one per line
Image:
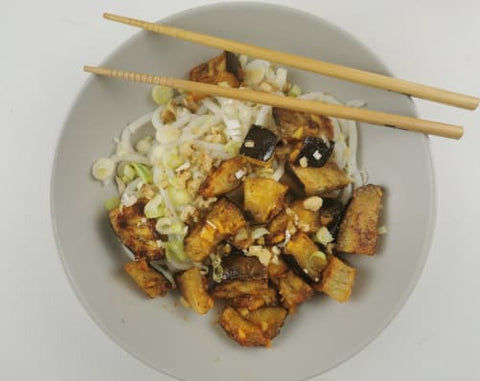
(173, 340)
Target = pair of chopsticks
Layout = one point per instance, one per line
(308, 64)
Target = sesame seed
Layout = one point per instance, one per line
(249, 144)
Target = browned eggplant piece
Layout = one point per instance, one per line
(222, 221)
(307, 255)
(266, 298)
(295, 125)
(276, 271)
(135, 231)
(150, 281)
(193, 286)
(331, 214)
(308, 220)
(358, 233)
(241, 275)
(225, 178)
(312, 152)
(278, 226)
(241, 330)
(259, 145)
(223, 68)
(269, 319)
(293, 291)
(316, 181)
(337, 280)
(263, 198)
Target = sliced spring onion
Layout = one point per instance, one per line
(217, 268)
(126, 172)
(295, 91)
(259, 232)
(179, 197)
(143, 172)
(154, 208)
(323, 236)
(161, 94)
(103, 168)
(112, 203)
(174, 250)
(172, 159)
(143, 145)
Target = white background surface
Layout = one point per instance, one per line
(46, 334)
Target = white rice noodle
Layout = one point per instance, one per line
(130, 194)
(156, 119)
(277, 175)
(175, 266)
(126, 136)
(130, 157)
(158, 265)
(264, 117)
(214, 149)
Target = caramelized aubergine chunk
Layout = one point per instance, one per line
(222, 221)
(358, 233)
(225, 178)
(269, 319)
(259, 145)
(337, 280)
(314, 181)
(150, 281)
(263, 198)
(193, 286)
(331, 214)
(312, 152)
(241, 276)
(307, 255)
(135, 231)
(266, 298)
(241, 330)
(295, 125)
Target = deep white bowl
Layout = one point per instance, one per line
(174, 340)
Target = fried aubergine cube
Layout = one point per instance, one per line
(358, 231)
(259, 145)
(331, 214)
(265, 298)
(135, 231)
(295, 125)
(293, 291)
(307, 255)
(223, 68)
(312, 152)
(314, 181)
(223, 220)
(193, 286)
(227, 177)
(152, 282)
(278, 226)
(241, 276)
(263, 198)
(337, 280)
(269, 319)
(241, 330)
(308, 220)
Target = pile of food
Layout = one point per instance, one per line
(242, 203)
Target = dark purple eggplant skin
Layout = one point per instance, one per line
(264, 141)
(310, 145)
(237, 266)
(332, 209)
(233, 66)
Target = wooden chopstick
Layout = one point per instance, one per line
(310, 64)
(313, 107)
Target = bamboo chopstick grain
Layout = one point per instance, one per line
(313, 107)
(309, 64)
